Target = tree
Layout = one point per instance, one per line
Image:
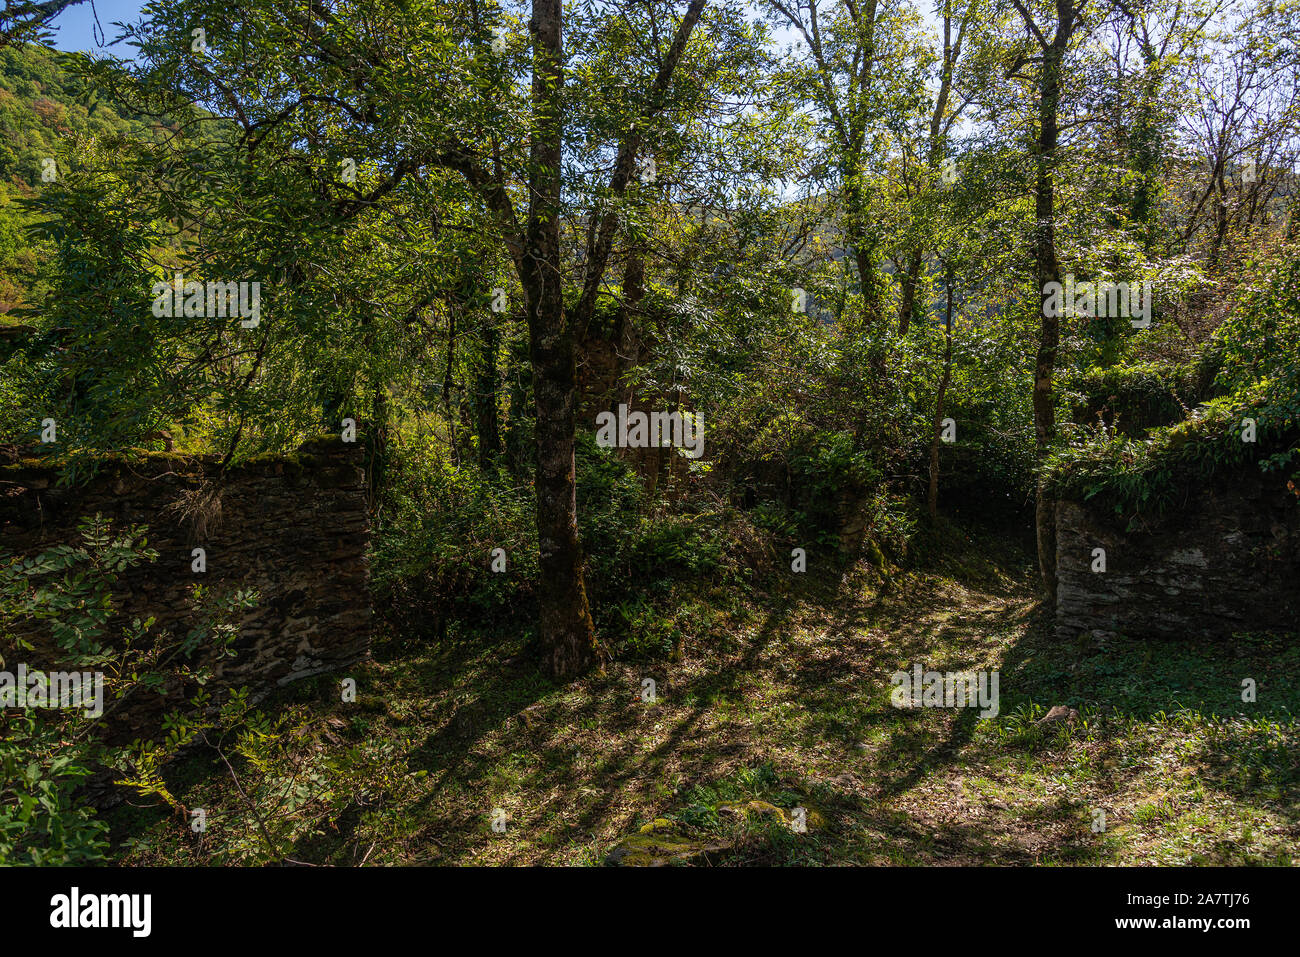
(568, 635)
(24, 21)
(1053, 42)
(924, 150)
(455, 128)
(857, 78)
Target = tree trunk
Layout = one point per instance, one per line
(864, 257)
(1047, 270)
(627, 343)
(1220, 218)
(1146, 150)
(567, 633)
(932, 496)
(486, 386)
(951, 53)
(519, 373)
(910, 279)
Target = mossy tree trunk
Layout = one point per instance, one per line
(1046, 266)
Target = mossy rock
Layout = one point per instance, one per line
(751, 810)
(759, 810)
(877, 557)
(659, 844)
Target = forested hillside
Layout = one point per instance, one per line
(43, 106)
(709, 369)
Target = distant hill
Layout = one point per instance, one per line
(42, 104)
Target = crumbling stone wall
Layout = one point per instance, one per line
(294, 529)
(1227, 560)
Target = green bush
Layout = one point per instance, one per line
(1132, 399)
(1259, 349)
(434, 556)
(65, 595)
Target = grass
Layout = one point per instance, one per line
(782, 698)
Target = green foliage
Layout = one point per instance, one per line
(43, 103)
(287, 795)
(1132, 398)
(434, 554)
(41, 823)
(1259, 345)
(58, 606)
(1149, 475)
(115, 368)
(44, 108)
(1260, 341)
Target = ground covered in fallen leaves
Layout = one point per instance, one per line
(771, 739)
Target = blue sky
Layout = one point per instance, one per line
(74, 28)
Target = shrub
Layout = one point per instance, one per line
(65, 594)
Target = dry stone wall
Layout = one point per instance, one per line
(1226, 560)
(293, 529)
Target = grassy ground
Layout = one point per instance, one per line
(784, 699)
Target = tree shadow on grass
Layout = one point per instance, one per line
(582, 762)
(627, 773)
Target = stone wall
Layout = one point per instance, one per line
(294, 529)
(1227, 560)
